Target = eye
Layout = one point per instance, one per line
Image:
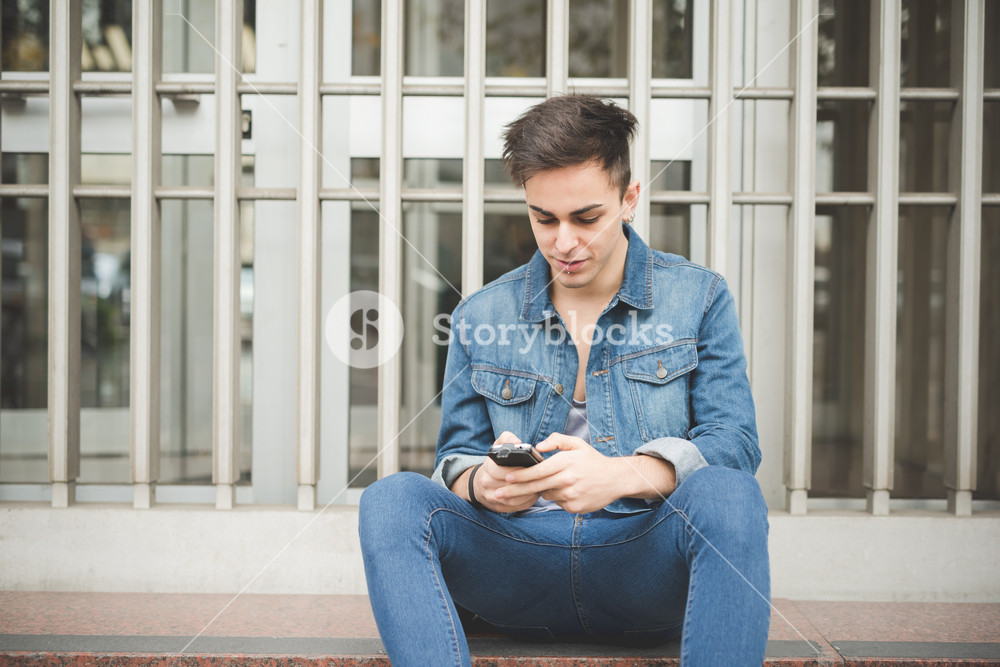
(587, 221)
(544, 221)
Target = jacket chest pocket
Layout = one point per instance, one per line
(510, 398)
(658, 381)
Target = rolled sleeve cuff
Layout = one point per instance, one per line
(450, 467)
(683, 454)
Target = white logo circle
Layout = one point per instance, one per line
(364, 329)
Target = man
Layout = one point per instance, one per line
(625, 367)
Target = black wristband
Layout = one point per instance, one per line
(472, 490)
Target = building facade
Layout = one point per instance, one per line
(233, 234)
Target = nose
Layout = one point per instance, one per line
(566, 239)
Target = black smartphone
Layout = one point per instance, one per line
(520, 455)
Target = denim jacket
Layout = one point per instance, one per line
(666, 374)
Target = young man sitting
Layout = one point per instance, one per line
(625, 367)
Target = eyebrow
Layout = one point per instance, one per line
(579, 211)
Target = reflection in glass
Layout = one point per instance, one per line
(670, 229)
(843, 41)
(435, 38)
(988, 464)
(515, 38)
(24, 329)
(363, 426)
(842, 146)
(366, 38)
(189, 36)
(26, 36)
(920, 332)
(991, 63)
(672, 42)
(507, 239)
(924, 138)
(838, 352)
(598, 38)
(925, 55)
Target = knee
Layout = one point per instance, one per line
(390, 505)
(728, 504)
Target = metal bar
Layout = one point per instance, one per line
(102, 191)
(184, 192)
(801, 252)
(342, 194)
(65, 46)
(845, 199)
(679, 197)
(844, 93)
(557, 48)
(103, 88)
(171, 88)
(226, 320)
(718, 136)
(991, 200)
(144, 344)
(991, 95)
(764, 93)
(963, 281)
(267, 88)
(265, 194)
(762, 198)
(882, 250)
(15, 87)
(310, 258)
(19, 191)
(927, 199)
(390, 230)
(929, 94)
(660, 91)
(473, 165)
(640, 77)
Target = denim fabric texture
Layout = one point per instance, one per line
(666, 374)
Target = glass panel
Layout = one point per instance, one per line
(432, 283)
(24, 329)
(507, 239)
(364, 381)
(435, 38)
(189, 36)
(104, 340)
(919, 470)
(26, 36)
(988, 465)
(838, 352)
(515, 37)
(671, 176)
(107, 36)
(924, 139)
(991, 158)
(598, 38)
(672, 39)
(925, 57)
(842, 146)
(366, 39)
(670, 229)
(843, 44)
(351, 126)
(991, 65)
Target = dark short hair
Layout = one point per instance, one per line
(569, 130)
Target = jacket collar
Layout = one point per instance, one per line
(636, 289)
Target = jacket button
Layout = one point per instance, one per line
(506, 393)
(661, 372)
(558, 389)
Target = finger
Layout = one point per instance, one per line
(561, 442)
(507, 438)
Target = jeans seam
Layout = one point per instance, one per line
(437, 581)
(494, 530)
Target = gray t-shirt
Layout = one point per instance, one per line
(576, 425)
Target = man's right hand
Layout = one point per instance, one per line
(491, 477)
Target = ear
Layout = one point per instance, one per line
(631, 199)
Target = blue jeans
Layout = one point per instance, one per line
(694, 566)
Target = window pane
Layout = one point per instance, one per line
(26, 36)
(189, 36)
(988, 468)
(508, 242)
(670, 228)
(24, 329)
(920, 332)
(838, 352)
(672, 39)
(363, 381)
(104, 340)
(924, 139)
(842, 147)
(107, 36)
(598, 38)
(515, 38)
(432, 283)
(843, 43)
(435, 38)
(991, 66)
(926, 44)
(366, 40)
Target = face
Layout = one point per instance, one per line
(576, 216)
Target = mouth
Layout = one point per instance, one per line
(568, 267)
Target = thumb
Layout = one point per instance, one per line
(562, 442)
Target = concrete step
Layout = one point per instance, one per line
(132, 629)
